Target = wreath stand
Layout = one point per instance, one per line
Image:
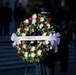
(34, 69)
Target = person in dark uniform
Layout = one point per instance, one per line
(19, 14)
(6, 18)
(63, 49)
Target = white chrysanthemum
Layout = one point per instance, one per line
(23, 34)
(41, 25)
(26, 54)
(18, 42)
(18, 30)
(26, 21)
(27, 28)
(44, 34)
(33, 55)
(33, 21)
(33, 48)
(46, 42)
(48, 25)
(41, 19)
(24, 46)
(39, 52)
(34, 16)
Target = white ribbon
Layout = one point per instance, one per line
(55, 40)
(14, 38)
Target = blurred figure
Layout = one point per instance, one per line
(71, 28)
(6, 18)
(1, 19)
(63, 47)
(8, 11)
(52, 58)
(63, 13)
(19, 14)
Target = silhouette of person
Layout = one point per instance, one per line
(1, 19)
(19, 14)
(6, 18)
(63, 49)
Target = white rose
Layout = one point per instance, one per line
(26, 54)
(46, 42)
(42, 19)
(23, 34)
(44, 34)
(26, 21)
(34, 16)
(32, 55)
(41, 25)
(33, 21)
(27, 28)
(24, 46)
(39, 52)
(33, 48)
(48, 25)
(18, 30)
(18, 42)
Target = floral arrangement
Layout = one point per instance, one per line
(35, 50)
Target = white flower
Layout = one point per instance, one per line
(18, 42)
(26, 54)
(23, 34)
(48, 25)
(33, 21)
(51, 47)
(34, 16)
(24, 46)
(39, 52)
(33, 48)
(32, 55)
(46, 42)
(42, 19)
(26, 21)
(27, 28)
(18, 30)
(44, 34)
(41, 25)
